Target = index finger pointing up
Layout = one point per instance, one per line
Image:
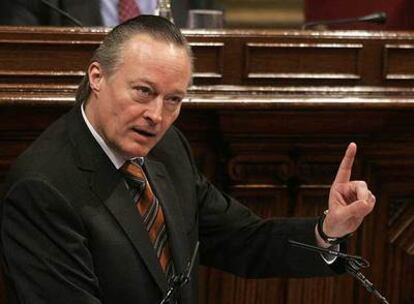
(345, 168)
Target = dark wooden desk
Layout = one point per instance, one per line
(268, 118)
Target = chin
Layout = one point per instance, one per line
(131, 153)
(134, 149)
(141, 152)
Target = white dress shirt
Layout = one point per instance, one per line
(113, 155)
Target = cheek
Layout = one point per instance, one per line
(174, 115)
(123, 111)
(132, 114)
(169, 119)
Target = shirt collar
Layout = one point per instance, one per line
(116, 159)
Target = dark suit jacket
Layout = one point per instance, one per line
(34, 12)
(70, 232)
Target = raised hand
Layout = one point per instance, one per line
(349, 201)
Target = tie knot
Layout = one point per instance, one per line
(133, 173)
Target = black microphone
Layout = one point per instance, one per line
(62, 12)
(353, 269)
(377, 17)
(363, 263)
(353, 264)
(180, 279)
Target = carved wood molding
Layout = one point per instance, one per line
(228, 98)
(401, 222)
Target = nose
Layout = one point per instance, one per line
(154, 110)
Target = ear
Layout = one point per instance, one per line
(96, 76)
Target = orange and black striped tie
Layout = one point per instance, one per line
(151, 211)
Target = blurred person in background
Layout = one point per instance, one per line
(89, 13)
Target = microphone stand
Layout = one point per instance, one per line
(353, 264)
(181, 279)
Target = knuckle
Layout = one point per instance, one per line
(361, 184)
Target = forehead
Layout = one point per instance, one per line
(143, 46)
(143, 54)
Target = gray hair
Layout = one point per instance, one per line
(108, 53)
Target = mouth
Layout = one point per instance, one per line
(144, 133)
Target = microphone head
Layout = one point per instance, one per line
(377, 17)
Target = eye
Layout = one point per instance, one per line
(174, 99)
(173, 102)
(144, 91)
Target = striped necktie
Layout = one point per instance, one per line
(127, 9)
(153, 216)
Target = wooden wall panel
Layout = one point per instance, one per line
(277, 170)
(302, 61)
(210, 54)
(39, 60)
(14, 58)
(307, 163)
(399, 61)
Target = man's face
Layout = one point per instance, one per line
(134, 106)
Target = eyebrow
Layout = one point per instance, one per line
(153, 85)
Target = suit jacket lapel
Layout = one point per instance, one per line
(122, 207)
(166, 194)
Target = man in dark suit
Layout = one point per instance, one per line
(89, 13)
(72, 225)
